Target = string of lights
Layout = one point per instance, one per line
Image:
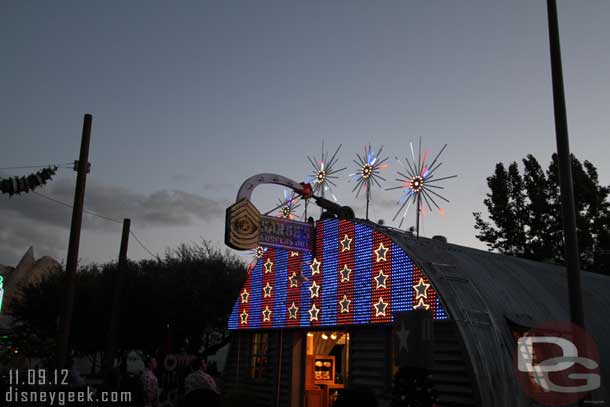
(109, 219)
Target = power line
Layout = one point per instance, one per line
(92, 213)
(131, 232)
(36, 166)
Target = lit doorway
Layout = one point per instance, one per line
(326, 367)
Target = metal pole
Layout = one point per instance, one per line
(565, 171)
(65, 320)
(368, 197)
(418, 214)
(118, 278)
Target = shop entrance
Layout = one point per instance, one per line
(326, 367)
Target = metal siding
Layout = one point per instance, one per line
(481, 290)
(285, 376)
(452, 375)
(261, 392)
(368, 359)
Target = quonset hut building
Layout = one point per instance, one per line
(308, 324)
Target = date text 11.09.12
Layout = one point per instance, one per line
(38, 377)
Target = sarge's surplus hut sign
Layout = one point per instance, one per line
(285, 234)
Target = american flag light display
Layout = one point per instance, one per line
(355, 276)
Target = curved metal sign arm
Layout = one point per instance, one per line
(245, 191)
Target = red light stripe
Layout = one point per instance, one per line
(293, 294)
(431, 292)
(267, 278)
(346, 257)
(318, 277)
(384, 266)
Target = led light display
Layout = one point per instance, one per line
(355, 275)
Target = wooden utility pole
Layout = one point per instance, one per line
(117, 283)
(565, 171)
(63, 334)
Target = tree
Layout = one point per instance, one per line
(35, 314)
(525, 217)
(191, 290)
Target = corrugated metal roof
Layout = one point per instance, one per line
(483, 290)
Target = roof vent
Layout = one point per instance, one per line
(440, 238)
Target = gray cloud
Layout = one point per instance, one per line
(160, 208)
(31, 219)
(19, 233)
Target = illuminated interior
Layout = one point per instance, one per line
(326, 366)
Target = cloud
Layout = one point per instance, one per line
(159, 208)
(32, 219)
(19, 233)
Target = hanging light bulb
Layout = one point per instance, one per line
(324, 336)
(333, 336)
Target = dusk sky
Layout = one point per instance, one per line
(191, 98)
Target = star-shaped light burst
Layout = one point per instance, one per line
(288, 205)
(417, 182)
(367, 172)
(324, 172)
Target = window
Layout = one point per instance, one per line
(260, 355)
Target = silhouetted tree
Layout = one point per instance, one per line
(525, 213)
(191, 290)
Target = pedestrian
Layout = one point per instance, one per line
(74, 377)
(200, 389)
(150, 384)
